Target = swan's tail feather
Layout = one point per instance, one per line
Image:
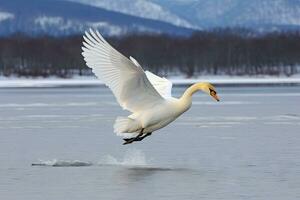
(126, 127)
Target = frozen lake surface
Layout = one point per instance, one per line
(245, 147)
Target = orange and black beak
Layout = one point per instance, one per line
(214, 95)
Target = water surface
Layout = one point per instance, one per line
(245, 147)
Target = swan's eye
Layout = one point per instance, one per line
(212, 92)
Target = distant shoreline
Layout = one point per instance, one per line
(177, 81)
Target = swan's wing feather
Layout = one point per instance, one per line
(162, 85)
(134, 61)
(127, 81)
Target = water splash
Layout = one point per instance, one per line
(132, 157)
(62, 163)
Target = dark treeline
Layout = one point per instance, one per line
(42, 56)
(215, 52)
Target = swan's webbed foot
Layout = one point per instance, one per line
(130, 140)
(140, 137)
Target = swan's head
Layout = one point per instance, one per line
(210, 89)
(205, 87)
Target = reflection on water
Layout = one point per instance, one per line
(136, 174)
(140, 174)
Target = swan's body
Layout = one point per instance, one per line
(145, 95)
(156, 117)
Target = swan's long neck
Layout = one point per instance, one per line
(185, 100)
(191, 90)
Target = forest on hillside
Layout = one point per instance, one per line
(215, 52)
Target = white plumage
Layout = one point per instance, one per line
(145, 94)
(162, 85)
(127, 81)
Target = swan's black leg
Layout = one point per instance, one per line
(146, 135)
(140, 138)
(127, 139)
(130, 140)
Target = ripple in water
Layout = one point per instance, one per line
(131, 158)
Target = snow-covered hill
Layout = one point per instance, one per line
(115, 17)
(247, 13)
(265, 15)
(58, 17)
(140, 8)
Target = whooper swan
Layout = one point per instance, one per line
(145, 95)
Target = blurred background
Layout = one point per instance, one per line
(181, 38)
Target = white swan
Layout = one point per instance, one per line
(145, 95)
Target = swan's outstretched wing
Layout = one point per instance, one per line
(162, 85)
(126, 79)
